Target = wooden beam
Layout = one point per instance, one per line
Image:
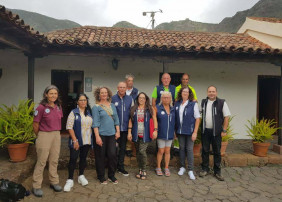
(280, 112)
(31, 62)
(13, 42)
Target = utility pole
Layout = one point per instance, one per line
(152, 16)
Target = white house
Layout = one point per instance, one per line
(241, 66)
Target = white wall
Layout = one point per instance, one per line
(236, 81)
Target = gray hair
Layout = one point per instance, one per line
(166, 93)
(127, 76)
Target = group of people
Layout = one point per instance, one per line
(129, 116)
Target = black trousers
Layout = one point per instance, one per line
(122, 147)
(82, 152)
(207, 139)
(108, 150)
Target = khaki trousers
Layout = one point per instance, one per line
(48, 146)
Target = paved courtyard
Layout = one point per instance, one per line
(241, 184)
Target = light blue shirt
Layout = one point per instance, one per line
(102, 121)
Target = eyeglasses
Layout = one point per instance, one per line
(82, 100)
(142, 98)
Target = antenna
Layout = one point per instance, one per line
(152, 16)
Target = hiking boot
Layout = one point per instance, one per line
(37, 192)
(219, 177)
(203, 173)
(56, 187)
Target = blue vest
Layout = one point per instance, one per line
(77, 128)
(123, 106)
(160, 88)
(188, 121)
(146, 135)
(134, 93)
(166, 123)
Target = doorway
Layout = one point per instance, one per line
(268, 98)
(70, 84)
(175, 78)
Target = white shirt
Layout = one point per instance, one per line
(181, 111)
(225, 111)
(128, 92)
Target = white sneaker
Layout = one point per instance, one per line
(82, 180)
(181, 171)
(68, 185)
(191, 175)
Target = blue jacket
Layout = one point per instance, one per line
(123, 106)
(77, 128)
(188, 121)
(146, 135)
(166, 123)
(160, 88)
(134, 93)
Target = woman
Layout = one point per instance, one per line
(166, 123)
(79, 126)
(106, 129)
(139, 130)
(47, 126)
(187, 124)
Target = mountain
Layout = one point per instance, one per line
(44, 23)
(125, 24)
(263, 8)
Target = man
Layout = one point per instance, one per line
(123, 104)
(215, 114)
(131, 91)
(165, 86)
(184, 83)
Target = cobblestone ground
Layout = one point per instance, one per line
(241, 184)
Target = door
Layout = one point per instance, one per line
(70, 84)
(268, 97)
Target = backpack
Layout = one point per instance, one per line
(11, 191)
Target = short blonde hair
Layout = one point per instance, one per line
(167, 93)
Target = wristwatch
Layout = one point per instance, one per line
(225, 131)
(155, 129)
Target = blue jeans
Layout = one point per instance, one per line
(186, 149)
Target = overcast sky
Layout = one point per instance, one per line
(109, 12)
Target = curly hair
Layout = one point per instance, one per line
(147, 105)
(190, 97)
(97, 94)
(44, 100)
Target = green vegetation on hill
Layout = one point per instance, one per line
(125, 24)
(44, 23)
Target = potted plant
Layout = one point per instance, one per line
(229, 136)
(260, 132)
(16, 130)
(197, 144)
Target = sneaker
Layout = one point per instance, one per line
(68, 185)
(181, 171)
(219, 177)
(37, 192)
(191, 175)
(103, 181)
(82, 180)
(56, 187)
(113, 180)
(123, 172)
(203, 173)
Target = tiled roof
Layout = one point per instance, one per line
(91, 36)
(273, 20)
(15, 21)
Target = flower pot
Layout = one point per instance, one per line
(223, 148)
(260, 149)
(197, 150)
(17, 152)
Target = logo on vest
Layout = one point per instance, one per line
(36, 113)
(163, 113)
(116, 103)
(76, 117)
(47, 111)
(176, 108)
(161, 92)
